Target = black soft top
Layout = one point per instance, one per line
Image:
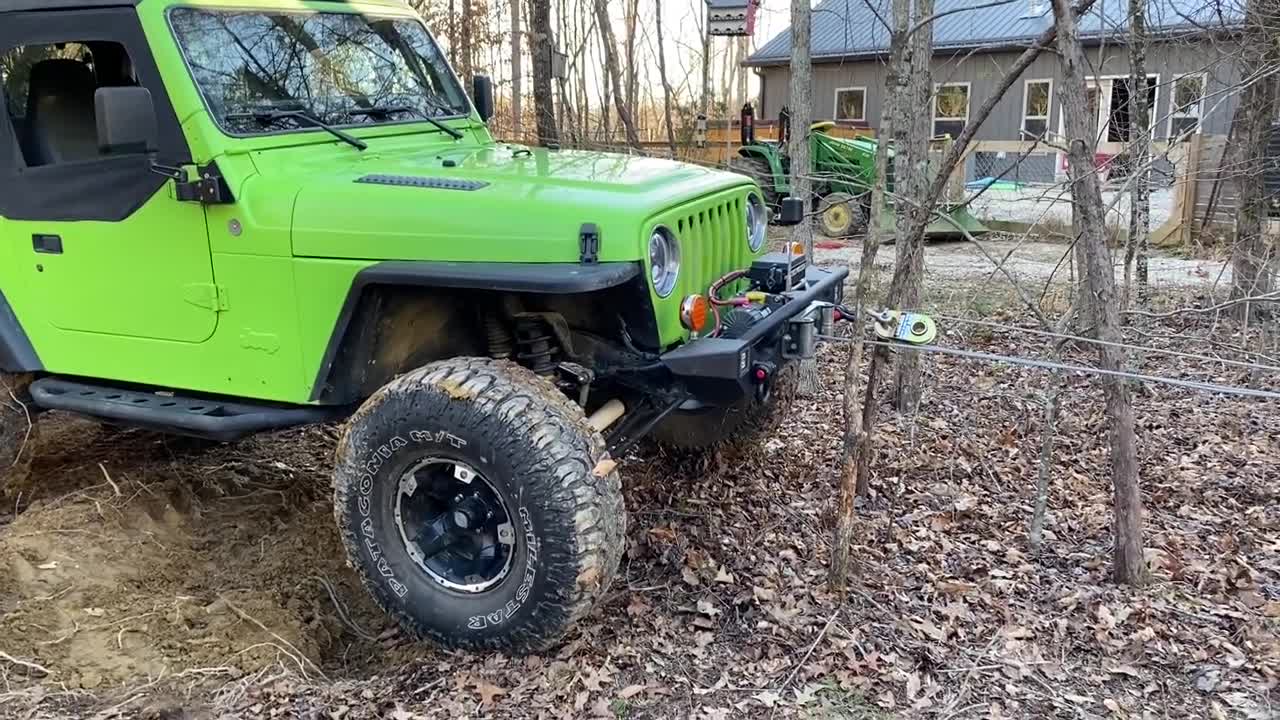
(7, 6)
(18, 5)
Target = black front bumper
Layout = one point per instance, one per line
(719, 371)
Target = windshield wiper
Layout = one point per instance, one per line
(389, 110)
(268, 117)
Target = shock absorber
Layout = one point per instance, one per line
(497, 335)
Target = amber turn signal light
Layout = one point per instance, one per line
(694, 311)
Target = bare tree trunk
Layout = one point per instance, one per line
(568, 119)
(705, 100)
(466, 49)
(1252, 257)
(543, 94)
(800, 105)
(911, 152)
(517, 75)
(1139, 151)
(1086, 194)
(662, 73)
(919, 222)
(453, 32)
(584, 97)
(615, 73)
(633, 84)
(855, 465)
(606, 87)
(976, 119)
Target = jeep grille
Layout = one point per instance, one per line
(713, 240)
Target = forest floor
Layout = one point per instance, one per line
(145, 576)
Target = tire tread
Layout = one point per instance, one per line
(511, 395)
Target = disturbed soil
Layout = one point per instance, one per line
(146, 576)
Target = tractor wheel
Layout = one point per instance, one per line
(478, 506)
(17, 432)
(840, 215)
(758, 170)
(747, 420)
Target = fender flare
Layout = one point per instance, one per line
(16, 352)
(534, 278)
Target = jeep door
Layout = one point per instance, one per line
(98, 240)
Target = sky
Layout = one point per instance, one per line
(682, 22)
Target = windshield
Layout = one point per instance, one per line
(339, 68)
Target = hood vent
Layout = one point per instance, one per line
(423, 182)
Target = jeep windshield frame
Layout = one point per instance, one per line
(331, 65)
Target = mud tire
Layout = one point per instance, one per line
(17, 432)
(535, 447)
(746, 421)
(758, 170)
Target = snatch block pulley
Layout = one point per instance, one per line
(907, 327)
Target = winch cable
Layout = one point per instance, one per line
(1109, 343)
(843, 313)
(1065, 367)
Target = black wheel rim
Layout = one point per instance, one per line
(455, 525)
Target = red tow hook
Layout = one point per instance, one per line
(762, 374)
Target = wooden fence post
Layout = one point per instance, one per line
(1187, 192)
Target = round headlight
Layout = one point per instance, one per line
(664, 261)
(757, 222)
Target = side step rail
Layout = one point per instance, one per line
(207, 418)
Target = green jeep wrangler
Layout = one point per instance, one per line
(220, 217)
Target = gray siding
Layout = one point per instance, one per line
(983, 72)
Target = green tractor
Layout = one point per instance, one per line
(844, 171)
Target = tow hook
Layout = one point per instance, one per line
(762, 376)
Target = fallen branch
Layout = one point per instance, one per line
(25, 663)
(110, 482)
(805, 659)
(302, 658)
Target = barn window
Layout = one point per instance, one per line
(950, 109)
(1188, 104)
(1035, 108)
(851, 103)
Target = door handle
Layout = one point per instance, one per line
(47, 244)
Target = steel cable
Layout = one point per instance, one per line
(1047, 365)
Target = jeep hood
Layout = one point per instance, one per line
(496, 203)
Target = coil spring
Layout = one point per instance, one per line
(535, 348)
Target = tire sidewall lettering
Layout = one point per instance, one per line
(381, 457)
(512, 606)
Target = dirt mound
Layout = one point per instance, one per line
(140, 556)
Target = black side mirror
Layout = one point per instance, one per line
(126, 121)
(792, 212)
(482, 96)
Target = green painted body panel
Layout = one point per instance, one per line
(242, 299)
(149, 276)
